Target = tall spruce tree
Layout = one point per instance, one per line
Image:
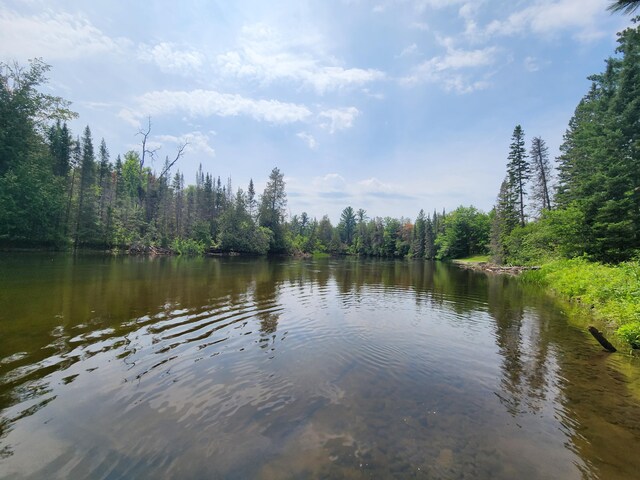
(541, 171)
(505, 219)
(86, 220)
(519, 170)
(347, 225)
(419, 236)
(273, 203)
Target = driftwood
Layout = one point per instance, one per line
(494, 268)
(600, 338)
(137, 249)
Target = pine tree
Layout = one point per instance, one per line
(429, 240)
(419, 236)
(624, 6)
(86, 220)
(252, 204)
(541, 170)
(505, 219)
(519, 170)
(272, 209)
(347, 225)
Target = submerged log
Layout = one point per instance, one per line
(600, 338)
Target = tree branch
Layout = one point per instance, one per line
(145, 150)
(179, 154)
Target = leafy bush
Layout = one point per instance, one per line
(631, 333)
(188, 246)
(612, 291)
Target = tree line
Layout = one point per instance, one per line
(62, 191)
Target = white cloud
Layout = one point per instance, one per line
(53, 36)
(418, 5)
(331, 181)
(445, 69)
(338, 118)
(265, 56)
(546, 17)
(409, 50)
(376, 95)
(373, 187)
(171, 59)
(206, 103)
(308, 139)
(198, 142)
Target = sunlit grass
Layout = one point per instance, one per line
(612, 293)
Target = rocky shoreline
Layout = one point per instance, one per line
(489, 267)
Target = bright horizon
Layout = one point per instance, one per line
(391, 106)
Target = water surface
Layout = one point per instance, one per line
(124, 367)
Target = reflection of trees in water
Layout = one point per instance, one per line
(84, 295)
(523, 346)
(265, 295)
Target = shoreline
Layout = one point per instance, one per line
(493, 268)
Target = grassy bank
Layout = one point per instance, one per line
(612, 293)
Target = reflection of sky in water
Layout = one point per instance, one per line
(292, 369)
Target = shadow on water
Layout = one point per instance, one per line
(254, 368)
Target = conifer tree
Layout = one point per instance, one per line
(347, 225)
(541, 170)
(272, 209)
(419, 236)
(86, 221)
(505, 219)
(519, 170)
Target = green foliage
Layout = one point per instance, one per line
(347, 225)
(600, 158)
(25, 111)
(624, 6)
(31, 203)
(466, 232)
(631, 333)
(613, 292)
(188, 247)
(272, 210)
(519, 171)
(32, 173)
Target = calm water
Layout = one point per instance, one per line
(252, 368)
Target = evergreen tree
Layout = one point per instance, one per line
(599, 165)
(60, 144)
(272, 210)
(429, 240)
(104, 182)
(541, 170)
(347, 225)
(86, 220)
(624, 6)
(519, 170)
(419, 236)
(505, 219)
(252, 204)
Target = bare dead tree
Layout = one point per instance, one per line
(169, 164)
(145, 150)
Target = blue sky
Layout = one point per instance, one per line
(387, 105)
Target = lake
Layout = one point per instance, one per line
(237, 368)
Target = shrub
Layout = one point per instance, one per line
(631, 333)
(188, 246)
